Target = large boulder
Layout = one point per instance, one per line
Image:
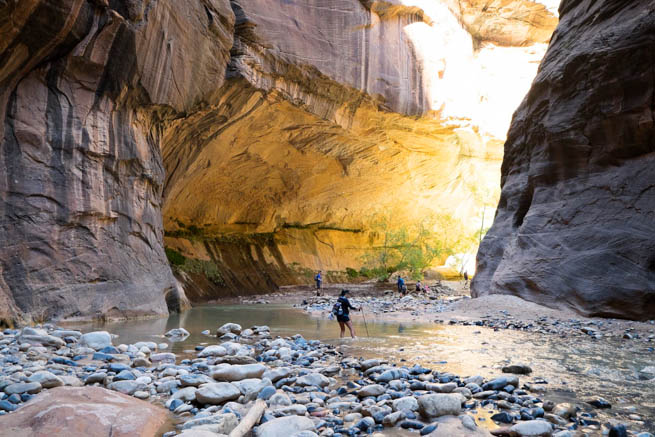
(88, 411)
(573, 227)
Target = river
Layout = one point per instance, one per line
(570, 369)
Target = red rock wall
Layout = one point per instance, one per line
(85, 88)
(575, 226)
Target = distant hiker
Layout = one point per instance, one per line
(419, 287)
(341, 310)
(466, 278)
(319, 280)
(401, 284)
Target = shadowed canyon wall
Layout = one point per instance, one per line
(85, 90)
(575, 222)
(266, 132)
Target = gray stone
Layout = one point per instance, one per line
(441, 404)
(23, 387)
(237, 372)
(284, 426)
(46, 379)
(217, 393)
(96, 340)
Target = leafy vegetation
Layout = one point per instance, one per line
(191, 265)
(414, 247)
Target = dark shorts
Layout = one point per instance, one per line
(343, 319)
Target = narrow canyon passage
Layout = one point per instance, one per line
(478, 169)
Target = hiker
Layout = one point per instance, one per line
(401, 284)
(319, 280)
(466, 278)
(419, 287)
(342, 311)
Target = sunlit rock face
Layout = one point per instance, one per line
(275, 128)
(575, 221)
(332, 112)
(83, 92)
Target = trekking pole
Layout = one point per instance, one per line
(365, 325)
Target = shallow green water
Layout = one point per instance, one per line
(575, 368)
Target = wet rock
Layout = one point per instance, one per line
(284, 427)
(177, 333)
(519, 369)
(501, 382)
(599, 403)
(228, 328)
(164, 357)
(217, 393)
(618, 431)
(393, 418)
(436, 405)
(565, 410)
(503, 417)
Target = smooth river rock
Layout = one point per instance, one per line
(217, 393)
(88, 411)
(284, 426)
(440, 404)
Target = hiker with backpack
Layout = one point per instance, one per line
(341, 310)
(319, 280)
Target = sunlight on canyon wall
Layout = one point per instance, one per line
(331, 114)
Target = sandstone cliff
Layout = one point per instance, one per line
(333, 112)
(274, 128)
(84, 92)
(575, 222)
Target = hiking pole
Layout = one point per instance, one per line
(365, 325)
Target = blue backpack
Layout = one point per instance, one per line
(337, 309)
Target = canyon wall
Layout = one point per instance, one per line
(574, 227)
(86, 88)
(267, 132)
(333, 113)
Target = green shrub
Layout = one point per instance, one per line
(352, 273)
(174, 257)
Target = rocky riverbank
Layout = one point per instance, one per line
(286, 387)
(449, 302)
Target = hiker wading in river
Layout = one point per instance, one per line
(341, 310)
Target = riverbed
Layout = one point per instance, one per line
(569, 369)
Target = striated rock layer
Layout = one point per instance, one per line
(252, 119)
(84, 93)
(574, 226)
(333, 112)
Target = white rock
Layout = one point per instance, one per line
(96, 340)
(532, 428)
(284, 426)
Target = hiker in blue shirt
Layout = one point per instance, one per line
(343, 314)
(319, 280)
(401, 284)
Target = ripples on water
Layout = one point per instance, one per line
(576, 368)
